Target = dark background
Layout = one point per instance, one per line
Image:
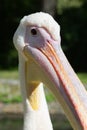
(70, 14)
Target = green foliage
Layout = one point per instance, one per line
(12, 123)
(9, 74)
(5, 99)
(65, 4)
(49, 97)
(73, 23)
(83, 77)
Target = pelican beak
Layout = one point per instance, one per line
(62, 81)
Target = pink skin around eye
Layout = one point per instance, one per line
(39, 38)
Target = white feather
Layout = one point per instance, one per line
(39, 19)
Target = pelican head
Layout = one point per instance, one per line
(38, 38)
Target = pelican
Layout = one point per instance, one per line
(42, 61)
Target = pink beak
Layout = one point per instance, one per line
(63, 82)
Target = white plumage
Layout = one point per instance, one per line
(39, 19)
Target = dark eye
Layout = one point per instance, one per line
(33, 31)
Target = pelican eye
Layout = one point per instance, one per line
(33, 31)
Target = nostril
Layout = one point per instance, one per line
(47, 41)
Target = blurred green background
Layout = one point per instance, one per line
(70, 14)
